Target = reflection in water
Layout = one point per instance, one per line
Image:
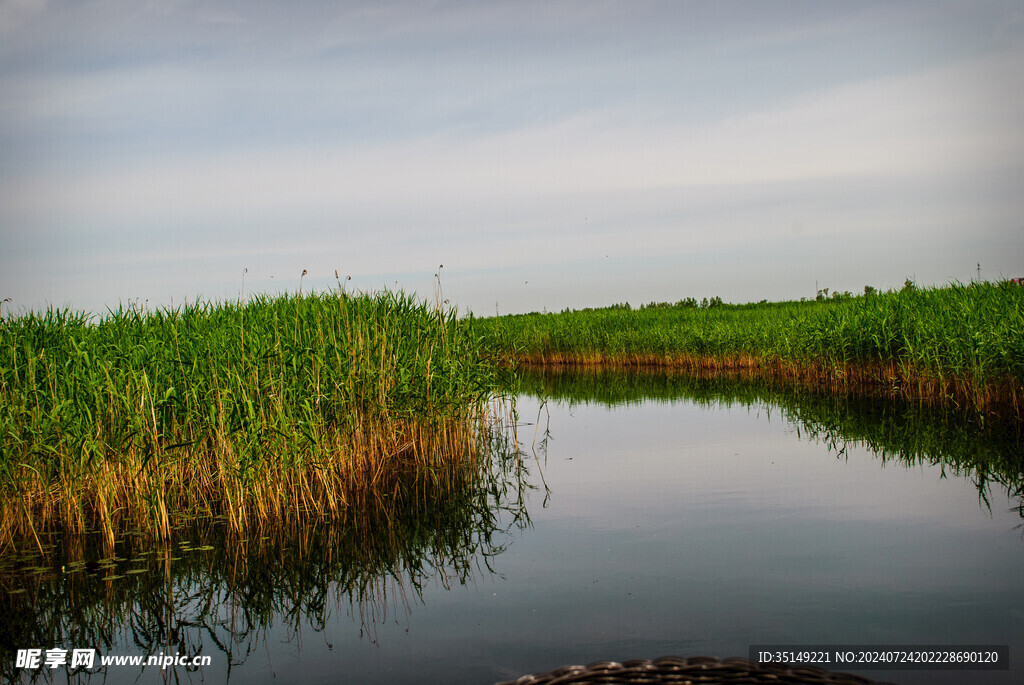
(204, 592)
(964, 445)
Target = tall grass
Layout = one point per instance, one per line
(205, 589)
(265, 411)
(962, 344)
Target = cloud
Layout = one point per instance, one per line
(956, 117)
(179, 135)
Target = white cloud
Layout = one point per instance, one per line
(956, 118)
(152, 181)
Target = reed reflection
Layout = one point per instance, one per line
(207, 591)
(965, 444)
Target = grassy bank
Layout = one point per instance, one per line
(958, 344)
(268, 411)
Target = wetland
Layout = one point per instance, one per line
(613, 514)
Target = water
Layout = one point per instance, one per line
(643, 516)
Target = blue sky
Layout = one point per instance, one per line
(549, 154)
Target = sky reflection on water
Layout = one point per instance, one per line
(675, 526)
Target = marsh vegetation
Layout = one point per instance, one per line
(261, 413)
(316, 405)
(205, 589)
(781, 509)
(961, 345)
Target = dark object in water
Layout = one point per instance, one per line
(698, 669)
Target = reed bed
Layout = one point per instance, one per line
(267, 411)
(206, 589)
(961, 344)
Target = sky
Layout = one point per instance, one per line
(548, 154)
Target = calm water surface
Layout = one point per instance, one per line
(643, 516)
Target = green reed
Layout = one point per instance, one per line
(277, 407)
(962, 343)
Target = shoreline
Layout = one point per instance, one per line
(1003, 398)
(960, 345)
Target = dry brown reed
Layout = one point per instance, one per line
(997, 396)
